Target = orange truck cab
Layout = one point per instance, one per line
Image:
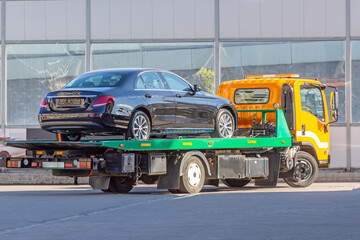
(303, 102)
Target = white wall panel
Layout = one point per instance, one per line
(293, 18)
(338, 147)
(184, 18)
(141, 19)
(55, 19)
(229, 19)
(205, 19)
(355, 17)
(163, 19)
(271, 18)
(34, 20)
(120, 19)
(355, 147)
(335, 18)
(100, 19)
(249, 18)
(76, 19)
(15, 20)
(314, 18)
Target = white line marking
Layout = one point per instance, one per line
(313, 136)
(186, 196)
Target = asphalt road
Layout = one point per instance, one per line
(322, 211)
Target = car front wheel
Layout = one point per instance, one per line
(224, 125)
(139, 126)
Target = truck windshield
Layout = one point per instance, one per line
(312, 101)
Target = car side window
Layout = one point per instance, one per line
(152, 80)
(176, 83)
(139, 83)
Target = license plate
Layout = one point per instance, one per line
(68, 101)
(53, 165)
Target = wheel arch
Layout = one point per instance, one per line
(309, 148)
(202, 158)
(145, 110)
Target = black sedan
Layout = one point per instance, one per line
(136, 102)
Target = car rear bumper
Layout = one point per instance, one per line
(79, 123)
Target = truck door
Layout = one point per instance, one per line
(313, 118)
(287, 105)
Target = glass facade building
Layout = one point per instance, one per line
(46, 43)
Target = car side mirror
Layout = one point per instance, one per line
(334, 103)
(197, 88)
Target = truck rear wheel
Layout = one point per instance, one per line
(235, 182)
(306, 171)
(193, 178)
(120, 184)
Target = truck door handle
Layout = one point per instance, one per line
(303, 129)
(178, 95)
(148, 95)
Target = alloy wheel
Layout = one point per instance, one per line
(226, 126)
(141, 127)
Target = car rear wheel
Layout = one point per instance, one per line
(70, 137)
(224, 125)
(139, 126)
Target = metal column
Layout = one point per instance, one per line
(88, 37)
(217, 66)
(348, 115)
(3, 66)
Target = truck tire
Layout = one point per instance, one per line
(224, 125)
(306, 171)
(149, 179)
(121, 184)
(70, 137)
(193, 178)
(174, 191)
(235, 182)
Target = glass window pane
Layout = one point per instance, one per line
(139, 84)
(34, 70)
(193, 61)
(312, 101)
(252, 96)
(355, 81)
(152, 81)
(176, 83)
(324, 60)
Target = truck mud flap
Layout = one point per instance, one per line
(172, 179)
(274, 166)
(99, 182)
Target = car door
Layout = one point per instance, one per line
(191, 106)
(160, 101)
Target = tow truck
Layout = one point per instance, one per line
(266, 150)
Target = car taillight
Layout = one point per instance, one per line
(103, 101)
(43, 103)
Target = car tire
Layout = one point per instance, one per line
(306, 171)
(139, 127)
(193, 178)
(70, 137)
(121, 184)
(235, 182)
(224, 124)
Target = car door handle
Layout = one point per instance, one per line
(178, 95)
(148, 95)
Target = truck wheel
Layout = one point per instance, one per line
(193, 177)
(235, 182)
(121, 184)
(139, 127)
(149, 179)
(224, 125)
(306, 171)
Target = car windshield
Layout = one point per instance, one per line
(95, 80)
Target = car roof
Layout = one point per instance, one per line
(125, 70)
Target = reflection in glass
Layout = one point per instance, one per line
(355, 81)
(324, 60)
(35, 69)
(192, 61)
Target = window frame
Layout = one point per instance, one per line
(322, 98)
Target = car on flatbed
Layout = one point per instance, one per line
(136, 102)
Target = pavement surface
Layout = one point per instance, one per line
(321, 211)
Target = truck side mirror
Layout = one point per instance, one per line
(334, 103)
